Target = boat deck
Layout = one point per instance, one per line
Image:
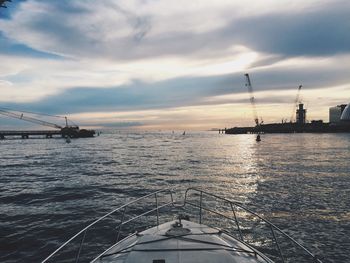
(189, 243)
(249, 239)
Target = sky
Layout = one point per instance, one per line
(173, 65)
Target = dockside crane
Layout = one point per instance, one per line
(71, 131)
(248, 84)
(21, 116)
(295, 105)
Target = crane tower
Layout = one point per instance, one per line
(252, 99)
(295, 105)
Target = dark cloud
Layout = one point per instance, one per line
(66, 38)
(5, 13)
(141, 24)
(138, 95)
(184, 91)
(312, 33)
(71, 39)
(319, 32)
(118, 124)
(322, 31)
(8, 47)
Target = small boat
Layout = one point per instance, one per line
(68, 140)
(139, 235)
(184, 133)
(258, 139)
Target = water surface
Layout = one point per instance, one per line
(50, 189)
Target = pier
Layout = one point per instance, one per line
(27, 134)
(71, 131)
(315, 127)
(64, 132)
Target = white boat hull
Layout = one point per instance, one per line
(190, 243)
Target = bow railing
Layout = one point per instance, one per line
(232, 217)
(148, 205)
(247, 226)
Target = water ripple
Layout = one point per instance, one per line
(50, 189)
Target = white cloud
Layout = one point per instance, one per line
(112, 43)
(35, 78)
(109, 28)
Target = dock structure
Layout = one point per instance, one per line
(71, 131)
(65, 132)
(27, 134)
(314, 127)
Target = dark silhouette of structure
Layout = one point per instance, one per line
(301, 114)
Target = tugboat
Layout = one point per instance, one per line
(182, 240)
(75, 132)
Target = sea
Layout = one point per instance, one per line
(50, 189)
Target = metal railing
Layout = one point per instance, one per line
(123, 209)
(233, 206)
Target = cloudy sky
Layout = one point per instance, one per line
(158, 64)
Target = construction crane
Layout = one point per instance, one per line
(252, 100)
(21, 116)
(295, 105)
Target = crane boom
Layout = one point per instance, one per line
(295, 102)
(29, 119)
(251, 98)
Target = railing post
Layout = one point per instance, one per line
(316, 259)
(278, 245)
(155, 195)
(237, 223)
(171, 196)
(80, 247)
(200, 208)
(121, 223)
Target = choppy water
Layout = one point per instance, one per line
(50, 189)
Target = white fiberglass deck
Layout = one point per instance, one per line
(185, 242)
(173, 243)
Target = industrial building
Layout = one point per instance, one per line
(335, 113)
(339, 119)
(301, 114)
(345, 116)
(339, 122)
